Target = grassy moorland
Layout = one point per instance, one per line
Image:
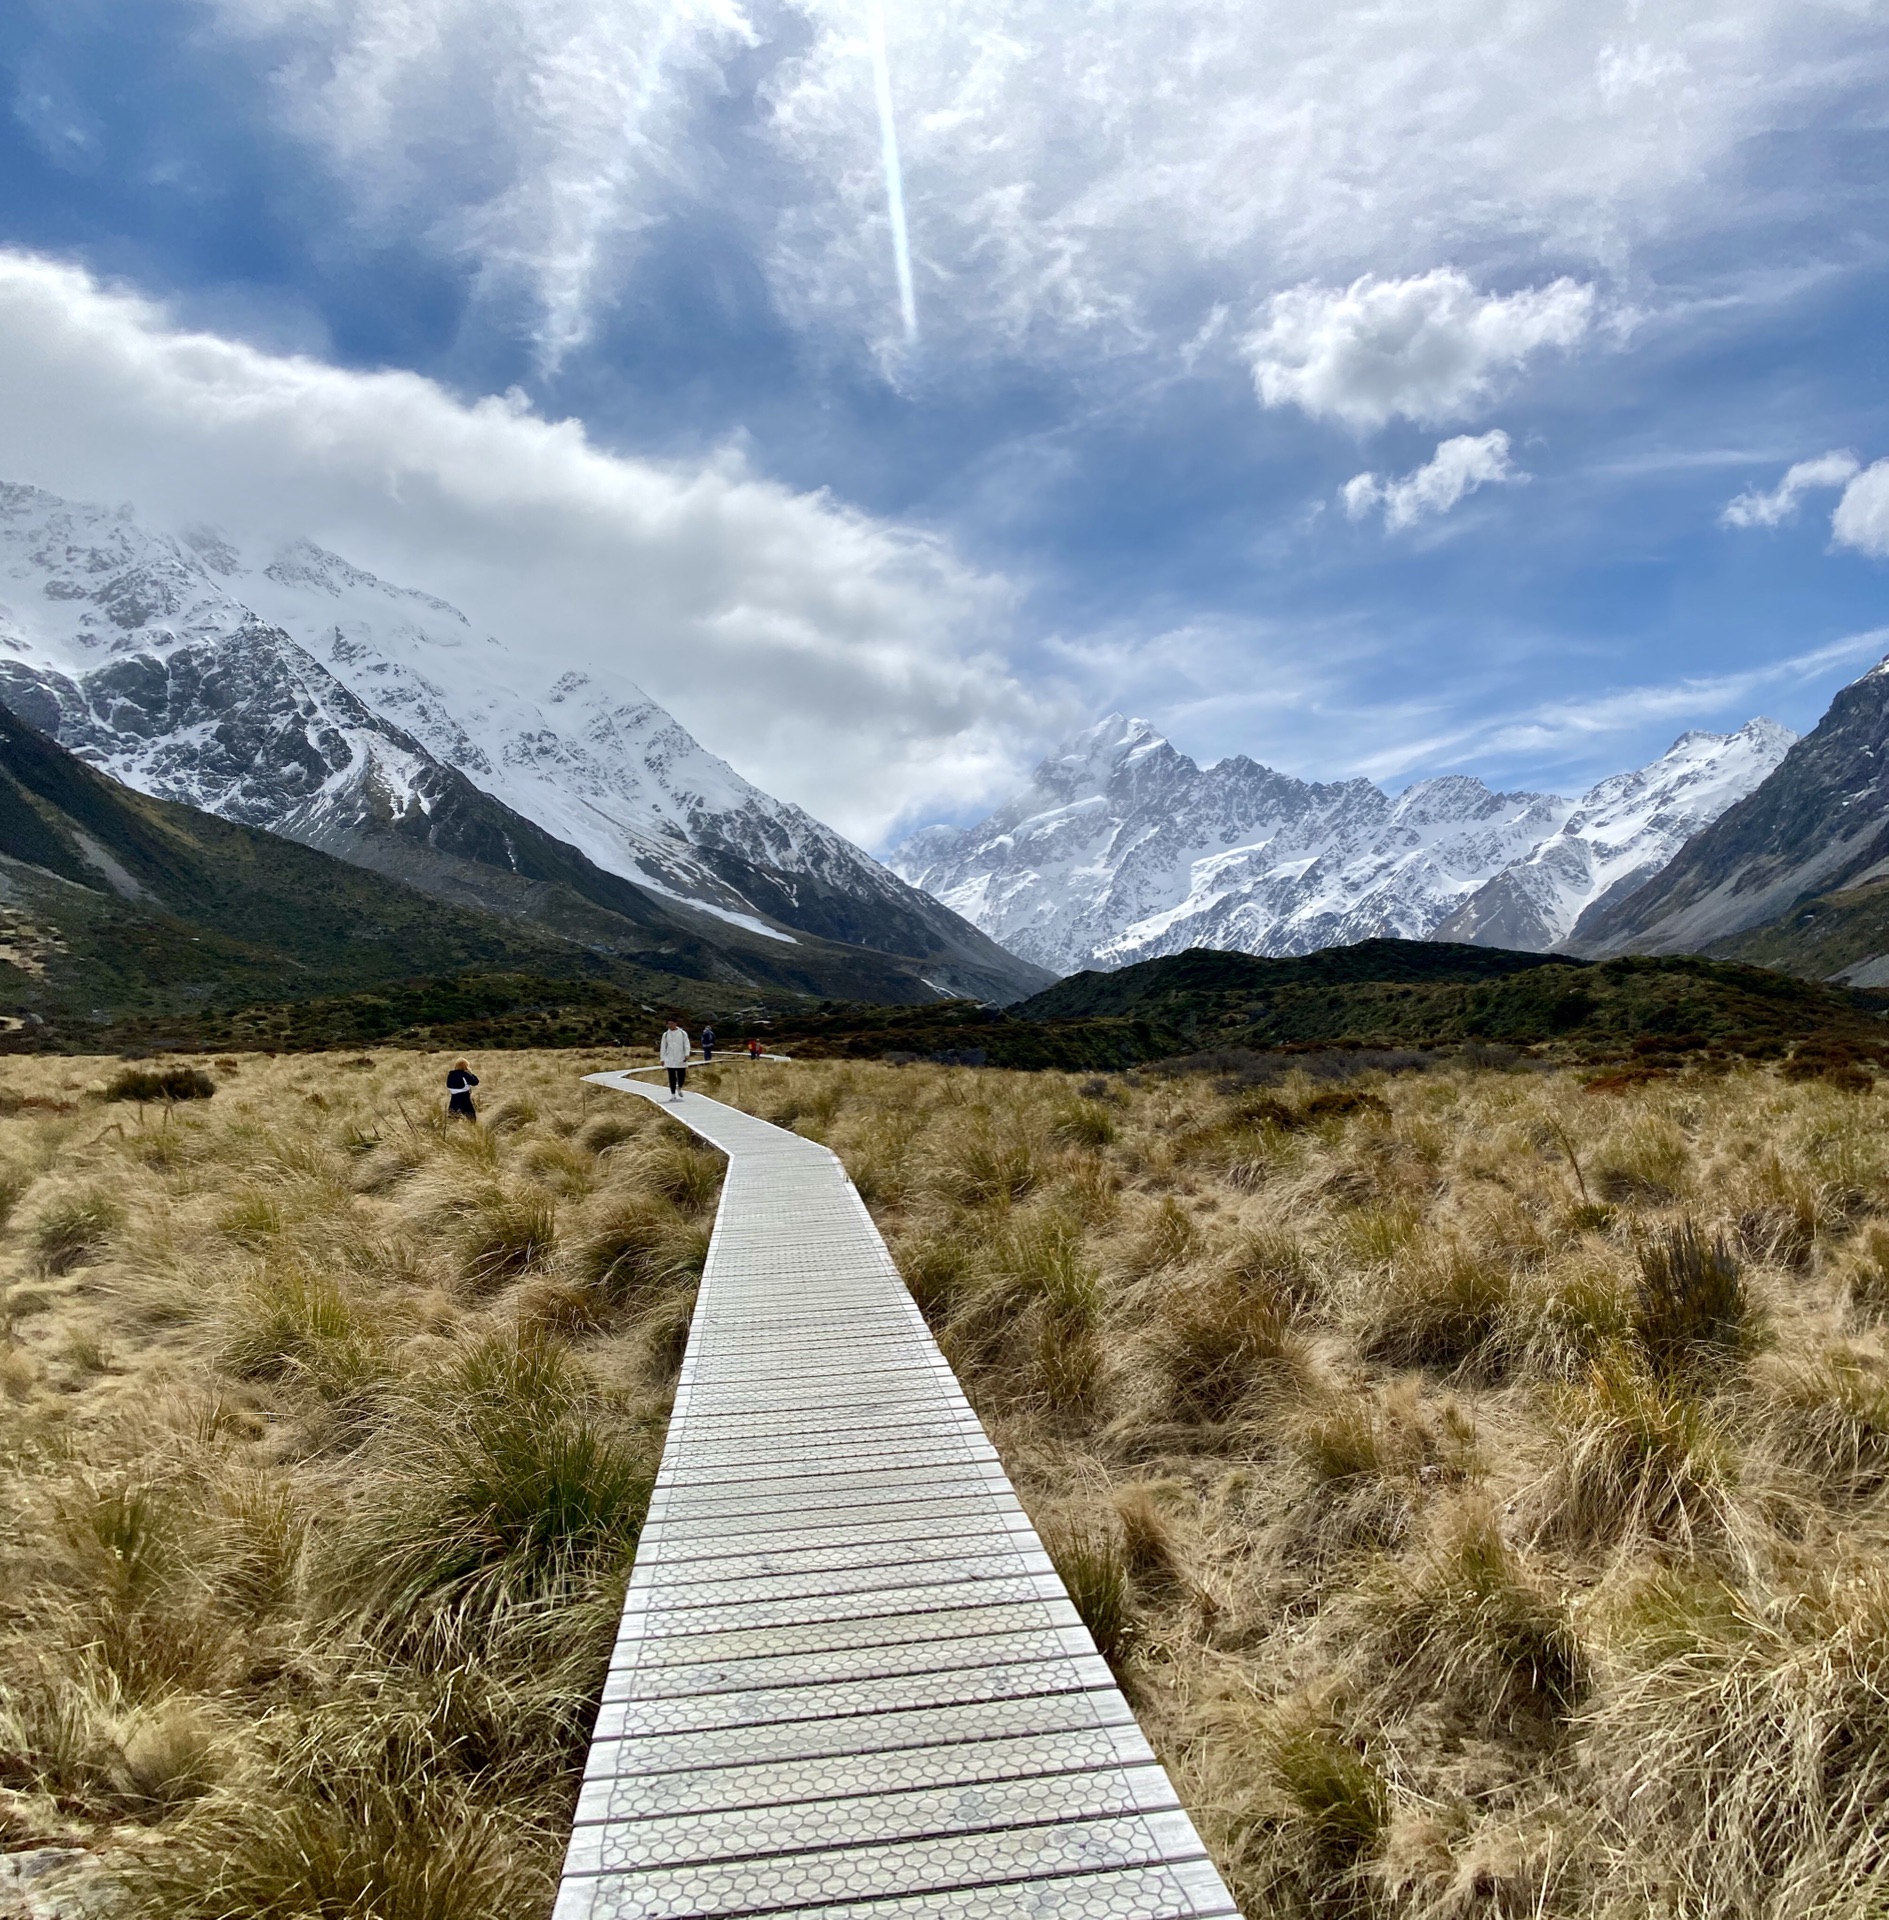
(1480, 1482)
(325, 1434)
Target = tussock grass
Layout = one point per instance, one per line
(1391, 1403)
(325, 1438)
(1478, 1482)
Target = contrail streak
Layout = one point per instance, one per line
(894, 176)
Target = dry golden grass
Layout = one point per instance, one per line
(326, 1429)
(1479, 1484)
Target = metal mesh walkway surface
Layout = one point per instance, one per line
(848, 1679)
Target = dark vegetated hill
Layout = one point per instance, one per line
(459, 1012)
(1187, 980)
(1842, 935)
(470, 1011)
(1397, 993)
(1192, 1004)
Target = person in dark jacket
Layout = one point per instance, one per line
(459, 1085)
(708, 1045)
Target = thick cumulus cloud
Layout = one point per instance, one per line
(840, 661)
(1454, 471)
(1429, 348)
(1092, 176)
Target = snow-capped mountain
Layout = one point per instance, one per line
(1788, 877)
(1622, 833)
(1123, 849)
(293, 691)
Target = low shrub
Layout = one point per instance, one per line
(1339, 1796)
(1633, 1452)
(1439, 1305)
(1084, 1123)
(283, 1321)
(632, 1250)
(1832, 1418)
(1088, 1556)
(1219, 1339)
(503, 1233)
(1464, 1621)
(504, 1483)
(159, 1083)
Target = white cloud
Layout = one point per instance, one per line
(1755, 508)
(1457, 468)
(1429, 348)
(1075, 178)
(841, 661)
(540, 139)
(1861, 520)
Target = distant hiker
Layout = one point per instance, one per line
(675, 1056)
(754, 1049)
(708, 1045)
(459, 1085)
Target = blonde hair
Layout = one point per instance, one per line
(461, 1066)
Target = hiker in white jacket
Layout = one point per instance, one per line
(675, 1056)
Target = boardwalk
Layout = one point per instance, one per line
(848, 1678)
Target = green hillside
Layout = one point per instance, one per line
(1831, 934)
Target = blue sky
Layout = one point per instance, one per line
(1363, 391)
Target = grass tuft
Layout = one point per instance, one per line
(73, 1229)
(1692, 1310)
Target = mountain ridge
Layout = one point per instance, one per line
(1122, 848)
(131, 648)
(1807, 845)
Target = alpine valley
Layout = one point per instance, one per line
(1122, 849)
(293, 692)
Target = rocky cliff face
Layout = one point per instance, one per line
(1819, 823)
(303, 695)
(1122, 849)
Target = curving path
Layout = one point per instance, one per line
(848, 1680)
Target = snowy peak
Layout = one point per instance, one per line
(294, 690)
(1122, 849)
(1623, 831)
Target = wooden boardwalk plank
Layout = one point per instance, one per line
(849, 1682)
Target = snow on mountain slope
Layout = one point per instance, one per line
(1122, 849)
(284, 688)
(1623, 832)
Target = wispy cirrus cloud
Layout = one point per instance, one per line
(1566, 729)
(1074, 183)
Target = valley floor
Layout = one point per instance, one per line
(1477, 1480)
